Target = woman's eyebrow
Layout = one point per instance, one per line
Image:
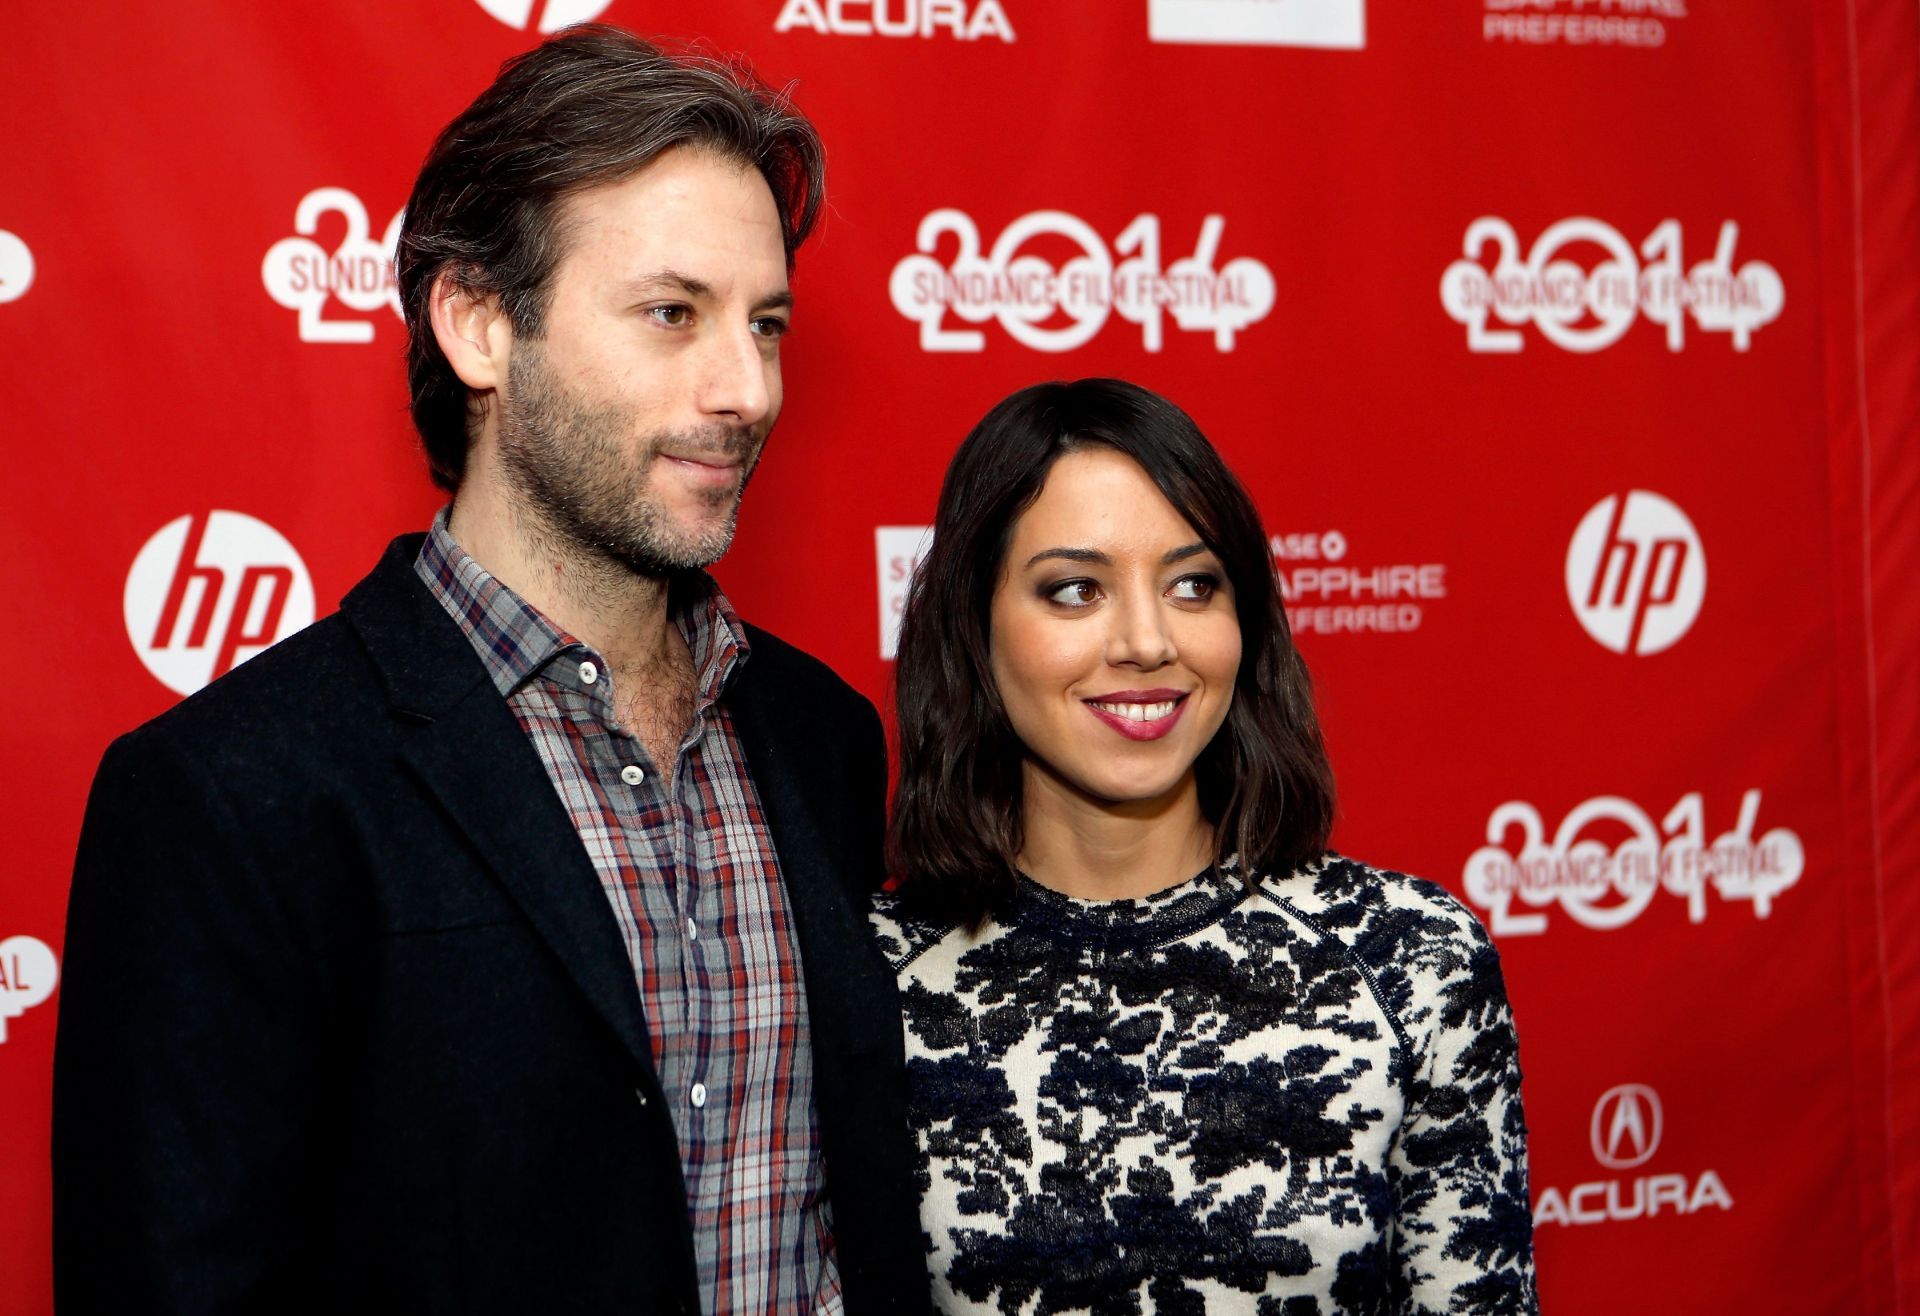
(1072, 555)
(1171, 556)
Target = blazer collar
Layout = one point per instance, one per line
(828, 840)
(463, 742)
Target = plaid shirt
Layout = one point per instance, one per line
(690, 872)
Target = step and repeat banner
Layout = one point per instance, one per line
(1567, 346)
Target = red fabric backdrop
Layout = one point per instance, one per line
(1568, 346)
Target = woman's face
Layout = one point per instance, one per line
(1114, 638)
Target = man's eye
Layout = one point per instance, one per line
(771, 326)
(1072, 593)
(671, 316)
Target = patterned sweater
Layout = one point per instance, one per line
(1296, 1096)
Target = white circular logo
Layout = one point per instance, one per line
(28, 972)
(1627, 1123)
(553, 14)
(1636, 572)
(16, 267)
(210, 591)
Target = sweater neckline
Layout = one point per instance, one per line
(1167, 915)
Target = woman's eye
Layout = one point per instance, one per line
(1194, 589)
(1072, 593)
(671, 316)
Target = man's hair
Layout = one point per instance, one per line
(1264, 779)
(590, 106)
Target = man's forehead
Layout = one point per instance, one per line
(695, 217)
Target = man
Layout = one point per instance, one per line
(498, 943)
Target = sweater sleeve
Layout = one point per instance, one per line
(1463, 1228)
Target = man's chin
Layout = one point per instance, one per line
(686, 548)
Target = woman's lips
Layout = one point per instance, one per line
(1139, 714)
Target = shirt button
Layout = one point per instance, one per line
(699, 1094)
(632, 775)
(693, 930)
(589, 673)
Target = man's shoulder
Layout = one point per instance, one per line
(315, 682)
(791, 671)
(336, 678)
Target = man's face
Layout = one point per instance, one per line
(629, 426)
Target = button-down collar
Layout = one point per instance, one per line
(517, 641)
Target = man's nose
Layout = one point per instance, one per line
(739, 379)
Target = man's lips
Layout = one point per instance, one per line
(708, 469)
(1139, 714)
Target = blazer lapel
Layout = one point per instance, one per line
(842, 982)
(469, 751)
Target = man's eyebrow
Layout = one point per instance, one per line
(1174, 555)
(689, 285)
(671, 281)
(1072, 555)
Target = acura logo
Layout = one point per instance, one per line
(1626, 1126)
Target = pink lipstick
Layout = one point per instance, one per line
(1139, 714)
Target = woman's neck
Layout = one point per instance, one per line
(1098, 850)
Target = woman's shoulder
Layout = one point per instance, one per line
(1395, 924)
(1348, 889)
(903, 934)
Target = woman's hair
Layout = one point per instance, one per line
(1264, 780)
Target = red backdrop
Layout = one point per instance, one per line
(1567, 345)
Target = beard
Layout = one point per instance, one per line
(574, 469)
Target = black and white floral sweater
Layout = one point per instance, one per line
(1294, 1096)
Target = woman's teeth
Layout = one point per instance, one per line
(1137, 712)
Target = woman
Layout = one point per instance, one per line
(1166, 1053)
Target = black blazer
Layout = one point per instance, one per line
(346, 1024)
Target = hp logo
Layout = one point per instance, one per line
(1636, 573)
(206, 593)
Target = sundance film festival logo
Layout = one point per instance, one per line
(1606, 862)
(963, 20)
(898, 551)
(28, 975)
(545, 15)
(1625, 1133)
(356, 275)
(1636, 572)
(1326, 24)
(1057, 307)
(1582, 286)
(206, 593)
(16, 267)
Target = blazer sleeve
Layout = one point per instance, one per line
(869, 799)
(190, 1060)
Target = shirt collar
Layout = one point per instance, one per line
(515, 640)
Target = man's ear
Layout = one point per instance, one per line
(472, 331)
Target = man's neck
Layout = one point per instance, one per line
(619, 613)
(1096, 850)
